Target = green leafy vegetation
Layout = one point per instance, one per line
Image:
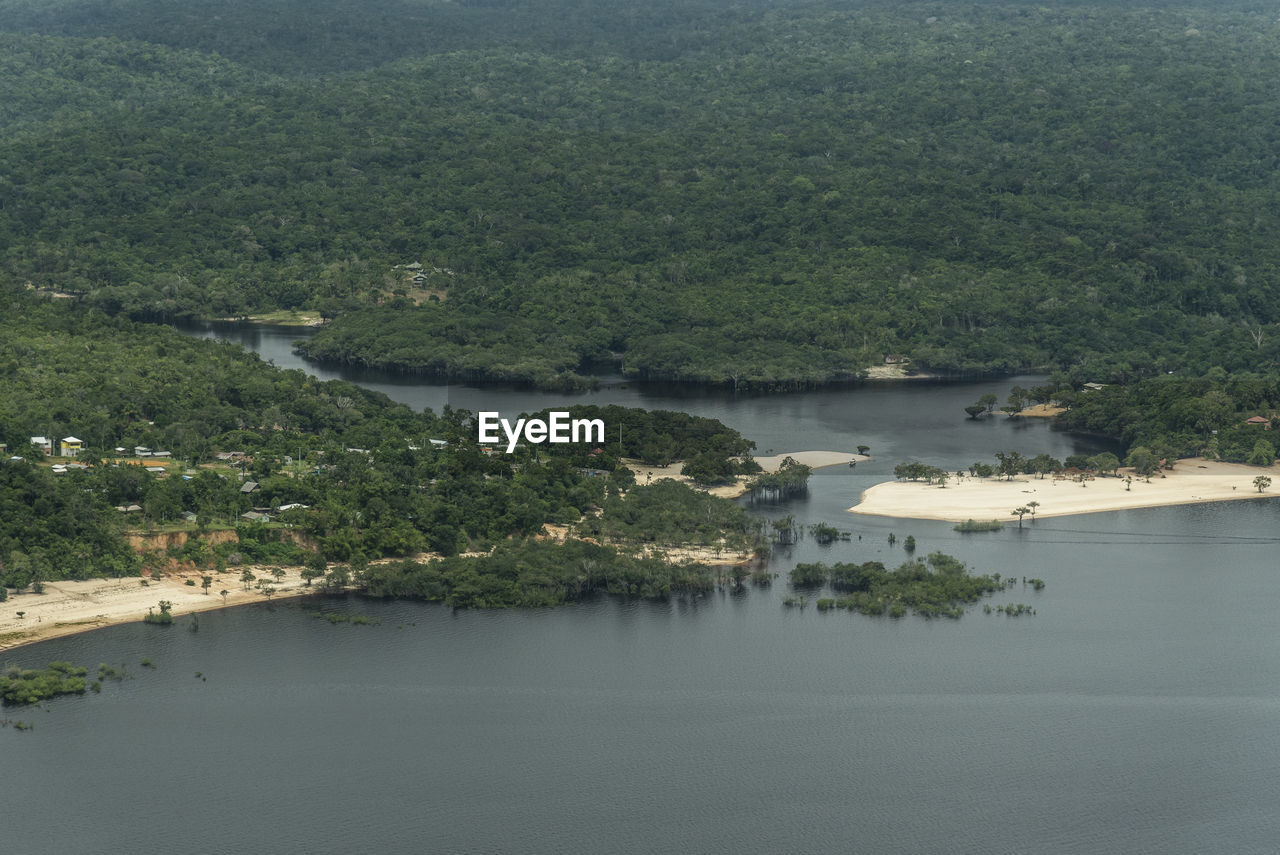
(917, 471)
(658, 438)
(940, 586)
(1173, 417)
(1010, 609)
(668, 513)
(360, 471)
(791, 479)
(31, 686)
(164, 617)
(536, 573)
(824, 534)
(769, 196)
(342, 617)
(973, 525)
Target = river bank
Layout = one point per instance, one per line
(68, 607)
(1191, 481)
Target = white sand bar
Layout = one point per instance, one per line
(69, 607)
(1190, 481)
(815, 459)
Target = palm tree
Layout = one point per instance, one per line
(1021, 512)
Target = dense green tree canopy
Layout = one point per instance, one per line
(767, 194)
(372, 483)
(1181, 417)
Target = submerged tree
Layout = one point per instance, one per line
(784, 530)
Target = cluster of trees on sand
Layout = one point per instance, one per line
(774, 196)
(1154, 422)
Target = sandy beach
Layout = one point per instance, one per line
(1042, 411)
(1191, 481)
(772, 463)
(66, 608)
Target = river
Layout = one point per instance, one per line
(1135, 712)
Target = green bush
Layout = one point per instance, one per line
(972, 525)
(32, 686)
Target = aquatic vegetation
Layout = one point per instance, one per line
(164, 617)
(791, 479)
(824, 534)
(341, 617)
(32, 686)
(973, 525)
(940, 586)
(536, 573)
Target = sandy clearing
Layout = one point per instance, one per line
(897, 372)
(1191, 481)
(1042, 411)
(816, 459)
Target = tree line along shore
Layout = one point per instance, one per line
(286, 470)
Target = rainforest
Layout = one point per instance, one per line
(757, 195)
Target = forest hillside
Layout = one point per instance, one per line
(759, 194)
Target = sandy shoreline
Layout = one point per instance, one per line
(771, 463)
(67, 608)
(1190, 482)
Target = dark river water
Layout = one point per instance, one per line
(1137, 711)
